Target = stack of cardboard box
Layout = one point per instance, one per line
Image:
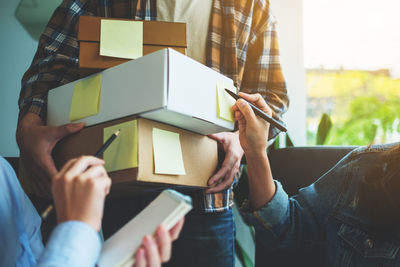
(164, 91)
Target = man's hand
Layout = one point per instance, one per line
(79, 190)
(253, 131)
(156, 250)
(36, 142)
(223, 179)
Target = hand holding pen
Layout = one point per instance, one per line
(98, 154)
(253, 136)
(253, 132)
(79, 190)
(259, 112)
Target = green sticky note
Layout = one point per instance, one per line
(167, 153)
(123, 152)
(225, 101)
(122, 39)
(86, 98)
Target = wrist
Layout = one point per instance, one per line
(93, 223)
(28, 120)
(255, 154)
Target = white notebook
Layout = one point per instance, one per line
(167, 209)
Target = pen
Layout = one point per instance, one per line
(260, 113)
(98, 154)
(106, 144)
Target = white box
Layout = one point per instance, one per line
(164, 86)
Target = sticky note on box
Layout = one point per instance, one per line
(86, 98)
(167, 153)
(122, 39)
(123, 152)
(225, 101)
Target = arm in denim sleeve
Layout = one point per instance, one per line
(56, 59)
(297, 224)
(72, 243)
(262, 72)
(19, 221)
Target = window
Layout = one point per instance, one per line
(351, 54)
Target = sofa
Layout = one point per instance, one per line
(297, 167)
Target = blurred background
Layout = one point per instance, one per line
(340, 58)
(352, 61)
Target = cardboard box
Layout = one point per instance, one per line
(157, 35)
(89, 55)
(200, 155)
(164, 86)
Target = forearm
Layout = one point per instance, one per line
(25, 122)
(36, 84)
(72, 243)
(56, 59)
(261, 184)
(25, 128)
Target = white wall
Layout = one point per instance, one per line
(289, 14)
(16, 52)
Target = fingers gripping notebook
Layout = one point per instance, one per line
(167, 209)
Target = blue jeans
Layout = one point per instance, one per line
(207, 239)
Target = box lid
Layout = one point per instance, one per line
(165, 86)
(154, 32)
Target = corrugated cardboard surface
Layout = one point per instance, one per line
(156, 36)
(200, 155)
(154, 32)
(89, 55)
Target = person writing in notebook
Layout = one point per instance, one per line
(348, 217)
(245, 50)
(79, 190)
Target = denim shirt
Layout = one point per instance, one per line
(322, 226)
(72, 243)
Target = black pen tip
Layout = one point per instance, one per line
(232, 94)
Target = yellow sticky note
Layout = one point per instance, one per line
(86, 98)
(123, 152)
(225, 101)
(167, 153)
(122, 39)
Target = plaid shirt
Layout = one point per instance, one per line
(242, 45)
